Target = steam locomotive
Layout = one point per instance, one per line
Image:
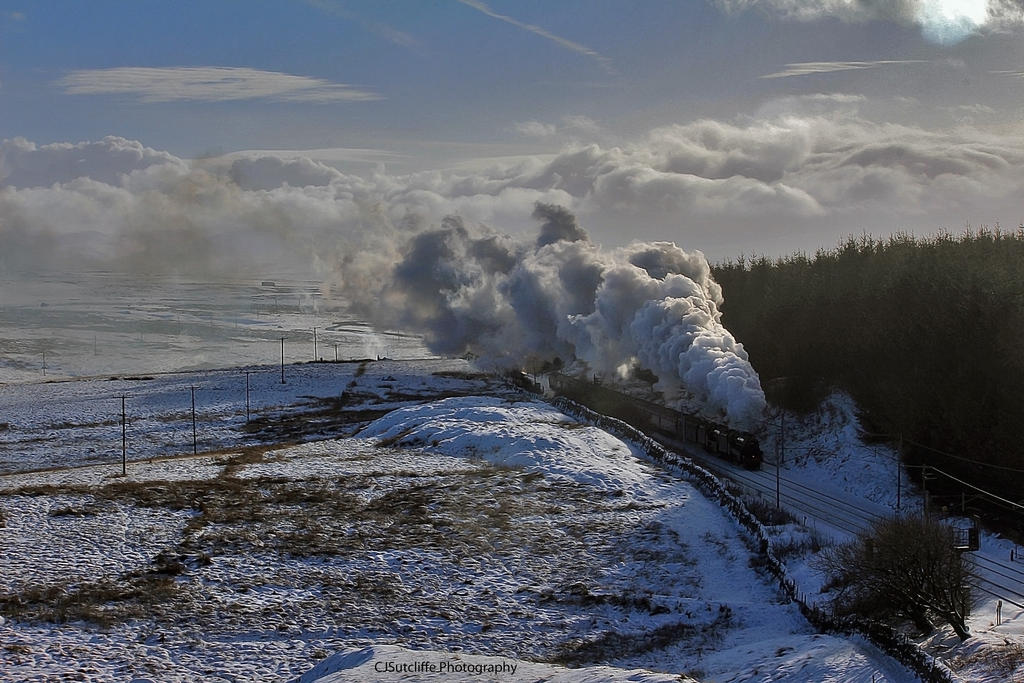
(734, 445)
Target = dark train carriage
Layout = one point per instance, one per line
(664, 421)
(702, 432)
(739, 447)
(690, 426)
(661, 418)
(722, 447)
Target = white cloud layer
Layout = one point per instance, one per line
(810, 164)
(109, 161)
(208, 83)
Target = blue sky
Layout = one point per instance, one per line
(449, 84)
(447, 71)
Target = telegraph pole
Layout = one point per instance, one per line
(778, 488)
(335, 352)
(314, 344)
(282, 360)
(899, 472)
(924, 485)
(195, 445)
(124, 439)
(779, 457)
(782, 438)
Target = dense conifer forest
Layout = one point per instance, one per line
(925, 333)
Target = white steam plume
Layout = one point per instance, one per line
(511, 303)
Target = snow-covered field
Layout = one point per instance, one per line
(470, 531)
(484, 530)
(74, 422)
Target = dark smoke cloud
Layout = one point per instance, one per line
(559, 225)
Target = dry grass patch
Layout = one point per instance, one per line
(610, 645)
(377, 552)
(105, 602)
(1002, 660)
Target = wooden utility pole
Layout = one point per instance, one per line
(778, 487)
(124, 438)
(779, 458)
(899, 473)
(782, 438)
(924, 485)
(195, 443)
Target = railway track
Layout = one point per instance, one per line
(829, 514)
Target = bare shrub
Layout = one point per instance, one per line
(901, 568)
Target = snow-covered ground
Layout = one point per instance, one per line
(74, 422)
(829, 446)
(481, 529)
(384, 662)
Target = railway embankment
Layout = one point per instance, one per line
(896, 644)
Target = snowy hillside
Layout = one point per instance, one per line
(468, 525)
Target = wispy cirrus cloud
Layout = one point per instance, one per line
(209, 84)
(385, 31)
(809, 68)
(483, 7)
